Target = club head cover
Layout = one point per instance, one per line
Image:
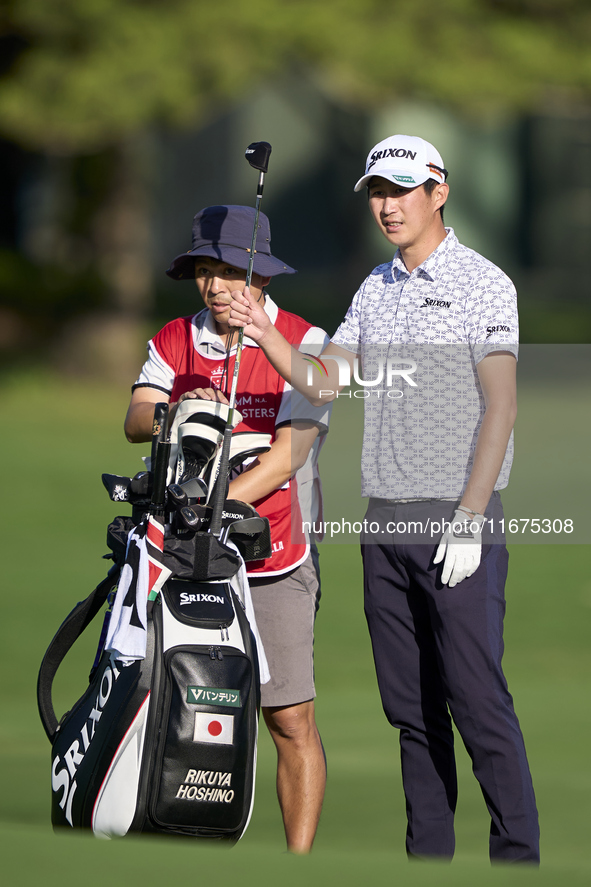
(117, 487)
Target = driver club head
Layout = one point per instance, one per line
(258, 154)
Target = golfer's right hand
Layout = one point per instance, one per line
(250, 314)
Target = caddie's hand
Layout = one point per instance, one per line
(460, 547)
(196, 394)
(250, 314)
(204, 394)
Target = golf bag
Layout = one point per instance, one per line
(165, 741)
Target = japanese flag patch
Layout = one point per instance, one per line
(214, 728)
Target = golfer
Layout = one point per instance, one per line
(193, 357)
(439, 322)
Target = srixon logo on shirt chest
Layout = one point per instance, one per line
(63, 770)
(435, 303)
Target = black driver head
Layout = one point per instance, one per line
(258, 154)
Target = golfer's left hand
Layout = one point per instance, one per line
(460, 548)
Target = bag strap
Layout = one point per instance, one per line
(65, 637)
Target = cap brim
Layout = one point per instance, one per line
(182, 267)
(395, 176)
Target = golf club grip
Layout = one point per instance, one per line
(160, 473)
(158, 428)
(215, 525)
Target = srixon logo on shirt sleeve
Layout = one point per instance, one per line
(63, 771)
(499, 328)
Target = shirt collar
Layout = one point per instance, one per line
(207, 333)
(432, 264)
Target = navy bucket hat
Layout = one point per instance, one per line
(225, 233)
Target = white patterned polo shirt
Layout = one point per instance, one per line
(419, 337)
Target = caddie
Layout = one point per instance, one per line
(193, 357)
(439, 322)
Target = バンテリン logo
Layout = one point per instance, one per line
(213, 696)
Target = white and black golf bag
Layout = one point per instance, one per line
(167, 742)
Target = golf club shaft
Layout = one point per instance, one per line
(255, 228)
(234, 386)
(218, 505)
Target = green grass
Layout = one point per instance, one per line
(62, 437)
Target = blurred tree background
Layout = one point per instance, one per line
(119, 119)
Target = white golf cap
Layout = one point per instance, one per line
(406, 160)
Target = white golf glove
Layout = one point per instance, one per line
(461, 546)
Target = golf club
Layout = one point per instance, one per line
(140, 486)
(191, 518)
(257, 154)
(188, 493)
(136, 490)
(159, 461)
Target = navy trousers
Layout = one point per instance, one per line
(438, 652)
